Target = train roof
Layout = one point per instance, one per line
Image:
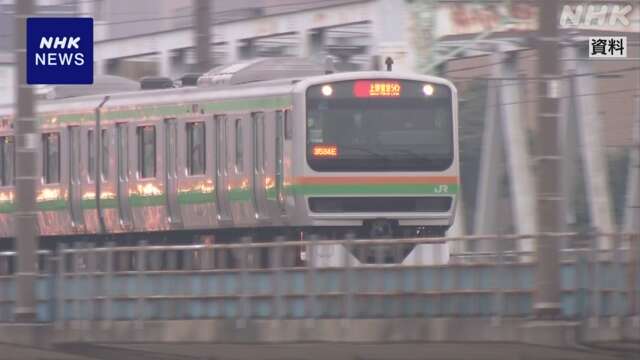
(252, 78)
(263, 69)
(229, 81)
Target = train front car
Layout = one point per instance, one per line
(380, 160)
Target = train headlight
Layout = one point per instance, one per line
(428, 89)
(327, 90)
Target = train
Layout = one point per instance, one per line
(261, 148)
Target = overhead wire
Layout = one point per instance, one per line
(617, 91)
(485, 65)
(538, 78)
(221, 13)
(494, 83)
(217, 14)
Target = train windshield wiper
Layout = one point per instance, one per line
(378, 155)
(416, 155)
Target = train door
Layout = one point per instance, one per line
(259, 193)
(75, 185)
(171, 173)
(122, 149)
(221, 181)
(279, 159)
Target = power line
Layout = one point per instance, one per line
(486, 65)
(221, 13)
(137, 21)
(72, 2)
(215, 14)
(515, 81)
(539, 78)
(467, 99)
(618, 91)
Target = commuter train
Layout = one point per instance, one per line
(261, 148)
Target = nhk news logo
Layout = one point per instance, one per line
(59, 51)
(599, 15)
(603, 17)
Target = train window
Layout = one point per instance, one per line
(288, 125)
(7, 163)
(104, 142)
(279, 165)
(258, 140)
(263, 140)
(364, 127)
(221, 144)
(51, 158)
(91, 154)
(239, 149)
(146, 151)
(196, 154)
(122, 152)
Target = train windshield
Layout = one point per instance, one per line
(379, 125)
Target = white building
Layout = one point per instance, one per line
(6, 78)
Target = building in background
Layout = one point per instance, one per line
(7, 72)
(116, 19)
(6, 78)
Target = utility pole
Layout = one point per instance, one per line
(202, 16)
(26, 141)
(633, 210)
(424, 13)
(549, 204)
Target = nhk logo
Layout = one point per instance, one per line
(60, 51)
(57, 58)
(595, 15)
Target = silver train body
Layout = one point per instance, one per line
(234, 157)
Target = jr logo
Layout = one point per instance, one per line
(60, 51)
(442, 189)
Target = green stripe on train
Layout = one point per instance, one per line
(271, 193)
(373, 189)
(195, 197)
(240, 194)
(49, 205)
(90, 204)
(7, 207)
(237, 195)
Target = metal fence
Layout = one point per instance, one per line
(8, 289)
(294, 279)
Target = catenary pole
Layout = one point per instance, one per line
(26, 141)
(547, 299)
(202, 17)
